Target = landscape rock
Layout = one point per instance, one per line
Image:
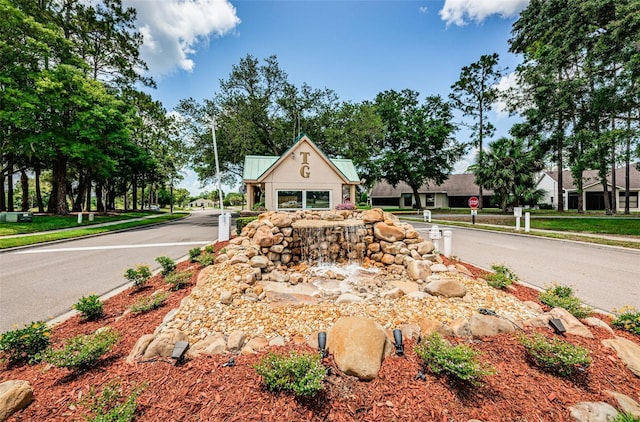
(488, 325)
(597, 322)
(446, 287)
(163, 344)
(384, 231)
(372, 216)
(419, 270)
(226, 297)
(15, 395)
(593, 412)
(358, 346)
(140, 347)
(571, 323)
(263, 237)
(281, 219)
(626, 403)
(627, 351)
(235, 341)
(460, 327)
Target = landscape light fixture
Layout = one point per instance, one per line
(230, 364)
(322, 344)
(179, 351)
(557, 326)
(397, 339)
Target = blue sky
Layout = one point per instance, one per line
(357, 48)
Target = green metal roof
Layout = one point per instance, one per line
(347, 168)
(256, 165)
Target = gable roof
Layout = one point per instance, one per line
(455, 185)
(591, 178)
(257, 167)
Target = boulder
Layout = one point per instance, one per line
(348, 298)
(460, 327)
(140, 347)
(254, 345)
(386, 232)
(212, 344)
(372, 216)
(571, 323)
(425, 248)
(263, 237)
(358, 346)
(419, 270)
(598, 323)
(259, 261)
(593, 412)
(14, 395)
(235, 341)
(164, 343)
(627, 351)
(281, 219)
(439, 268)
(488, 325)
(626, 403)
(446, 287)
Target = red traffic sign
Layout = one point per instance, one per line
(474, 202)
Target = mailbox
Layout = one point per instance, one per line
(434, 233)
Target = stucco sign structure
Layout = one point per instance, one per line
(301, 178)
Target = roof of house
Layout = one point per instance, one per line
(590, 178)
(455, 185)
(256, 166)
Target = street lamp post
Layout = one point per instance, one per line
(224, 221)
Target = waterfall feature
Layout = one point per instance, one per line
(328, 242)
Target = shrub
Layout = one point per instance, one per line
(628, 319)
(502, 277)
(556, 356)
(82, 351)
(178, 280)
(258, 207)
(626, 417)
(194, 254)
(209, 249)
(138, 276)
(301, 374)
(23, 345)
(346, 206)
(460, 363)
(148, 303)
(243, 221)
(206, 259)
(109, 406)
(168, 265)
(90, 307)
(562, 297)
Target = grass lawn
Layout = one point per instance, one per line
(82, 231)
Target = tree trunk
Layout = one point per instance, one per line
(39, 191)
(60, 206)
(24, 185)
(10, 207)
(416, 196)
(87, 207)
(614, 202)
(79, 199)
(134, 192)
(559, 163)
(99, 194)
(3, 203)
(627, 157)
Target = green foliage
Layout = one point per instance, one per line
(556, 356)
(459, 363)
(82, 351)
(628, 319)
(562, 297)
(300, 374)
(109, 406)
(258, 206)
(626, 417)
(502, 277)
(206, 259)
(178, 280)
(138, 276)
(148, 303)
(209, 249)
(90, 307)
(194, 254)
(243, 221)
(168, 265)
(23, 345)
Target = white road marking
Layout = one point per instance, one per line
(99, 248)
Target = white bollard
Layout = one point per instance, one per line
(224, 223)
(527, 222)
(517, 223)
(426, 215)
(79, 218)
(90, 216)
(448, 242)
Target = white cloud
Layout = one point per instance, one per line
(459, 12)
(506, 82)
(423, 9)
(172, 30)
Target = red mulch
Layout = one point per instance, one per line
(203, 390)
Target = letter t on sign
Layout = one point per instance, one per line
(305, 157)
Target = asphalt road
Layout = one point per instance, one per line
(43, 282)
(602, 276)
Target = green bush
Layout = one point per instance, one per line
(138, 276)
(206, 259)
(301, 374)
(148, 303)
(258, 207)
(243, 221)
(168, 265)
(109, 406)
(556, 356)
(22, 346)
(502, 278)
(628, 319)
(562, 297)
(178, 280)
(626, 417)
(194, 254)
(90, 307)
(209, 249)
(459, 363)
(82, 351)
